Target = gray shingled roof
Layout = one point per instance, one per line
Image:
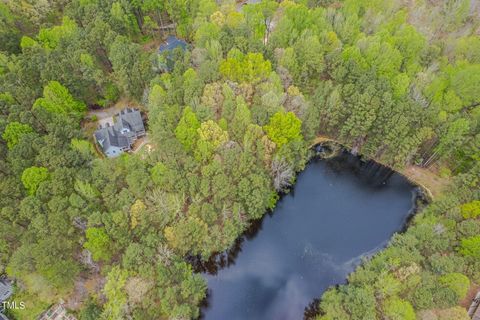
(108, 136)
(127, 127)
(131, 119)
(474, 310)
(6, 289)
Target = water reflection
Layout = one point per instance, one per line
(340, 212)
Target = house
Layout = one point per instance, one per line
(57, 312)
(118, 137)
(6, 289)
(474, 310)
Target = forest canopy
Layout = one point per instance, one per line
(230, 120)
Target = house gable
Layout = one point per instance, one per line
(128, 127)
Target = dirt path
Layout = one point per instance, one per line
(427, 178)
(140, 143)
(321, 139)
(472, 292)
(111, 111)
(85, 286)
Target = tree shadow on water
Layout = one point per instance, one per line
(312, 310)
(222, 260)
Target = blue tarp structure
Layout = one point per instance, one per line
(172, 43)
(167, 49)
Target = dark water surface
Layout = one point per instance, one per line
(340, 211)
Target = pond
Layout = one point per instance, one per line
(340, 211)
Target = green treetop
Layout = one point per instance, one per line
(32, 178)
(14, 132)
(471, 209)
(283, 128)
(99, 244)
(57, 99)
(186, 131)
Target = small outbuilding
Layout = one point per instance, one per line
(167, 48)
(118, 137)
(6, 289)
(171, 44)
(57, 312)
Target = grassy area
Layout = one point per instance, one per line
(428, 178)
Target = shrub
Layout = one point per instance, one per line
(32, 178)
(458, 282)
(441, 264)
(398, 309)
(468, 228)
(99, 244)
(470, 247)
(471, 209)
